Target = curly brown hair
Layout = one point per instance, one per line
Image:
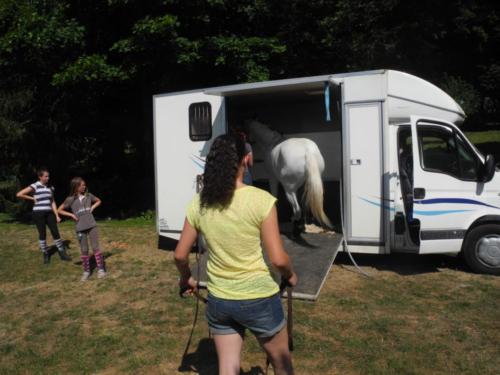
(221, 169)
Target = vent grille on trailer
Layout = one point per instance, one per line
(200, 121)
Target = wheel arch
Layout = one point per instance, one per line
(486, 219)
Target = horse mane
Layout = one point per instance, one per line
(267, 135)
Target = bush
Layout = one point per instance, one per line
(8, 201)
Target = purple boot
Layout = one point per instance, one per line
(86, 267)
(99, 259)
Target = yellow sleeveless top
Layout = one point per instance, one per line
(236, 269)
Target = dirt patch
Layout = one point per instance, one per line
(103, 300)
(118, 245)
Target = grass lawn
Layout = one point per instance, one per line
(488, 142)
(416, 315)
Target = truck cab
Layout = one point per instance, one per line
(447, 194)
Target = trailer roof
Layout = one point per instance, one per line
(406, 94)
(305, 83)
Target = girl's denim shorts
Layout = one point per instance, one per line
(264, 317)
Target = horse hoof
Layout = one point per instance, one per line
(296, 231)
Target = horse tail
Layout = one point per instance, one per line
(313, 190)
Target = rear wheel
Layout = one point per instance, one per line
(482, 249)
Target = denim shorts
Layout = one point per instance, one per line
(264, 317)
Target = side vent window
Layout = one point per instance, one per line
(200, 121)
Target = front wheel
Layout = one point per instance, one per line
(482, 249)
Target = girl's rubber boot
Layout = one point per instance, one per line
(45, 251)
(99, 259)
(86, 267)
(46, 257)
(101, 274)
(61, 249)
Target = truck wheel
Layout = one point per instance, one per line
(482, 249)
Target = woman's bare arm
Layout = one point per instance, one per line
(25, 194)
(274, 247)
(181, 254)
(54, 210)
(63, 212)
(96, 204)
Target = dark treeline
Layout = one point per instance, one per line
(77, 77)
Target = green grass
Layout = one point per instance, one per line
(431, 320)
(489, 136)
(488, 142)
(436, 319)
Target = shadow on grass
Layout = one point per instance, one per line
(204, 361)
(405, 264)
(53, 248)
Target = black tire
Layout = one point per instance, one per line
(481, 249)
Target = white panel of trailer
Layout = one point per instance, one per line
(178, 159)
(365, 172)
(366, 88)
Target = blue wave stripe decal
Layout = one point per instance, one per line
(202, 167)
(455, 200)
(416, 212)
(383, 199)
(386, 207)
(197, 157)
(435, 213)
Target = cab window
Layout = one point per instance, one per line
(443, 150)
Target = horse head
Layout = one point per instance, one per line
(261, 133)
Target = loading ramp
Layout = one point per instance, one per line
(312, 256)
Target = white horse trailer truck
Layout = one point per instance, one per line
(398, 170)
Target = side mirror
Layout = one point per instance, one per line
(488, 169)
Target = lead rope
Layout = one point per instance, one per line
(344, 234)
(289, 317)
(199, 297)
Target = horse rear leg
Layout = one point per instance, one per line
(297, 224)
(274, 185)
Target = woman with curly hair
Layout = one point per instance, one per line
(242, 294)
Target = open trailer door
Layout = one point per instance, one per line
(185, 125)
(363, 170)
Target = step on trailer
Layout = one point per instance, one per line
(397, 167)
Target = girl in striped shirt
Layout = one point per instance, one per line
(44, 213)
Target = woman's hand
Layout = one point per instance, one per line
(74, 217)
(96, 204)
(292, 280)
(58, 219)
(188, 287)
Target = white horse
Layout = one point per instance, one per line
(293, 162)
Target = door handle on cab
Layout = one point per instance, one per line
(418, 193)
